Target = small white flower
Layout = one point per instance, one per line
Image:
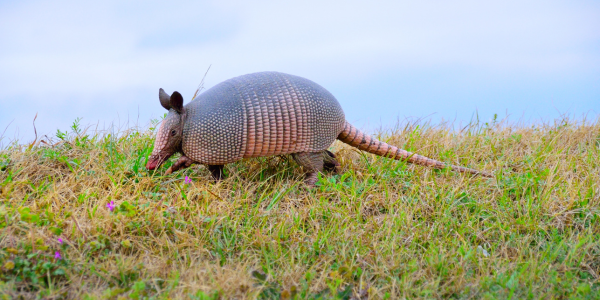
(482, 251)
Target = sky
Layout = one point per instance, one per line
(385, 61)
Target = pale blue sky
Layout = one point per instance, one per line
(104, 61)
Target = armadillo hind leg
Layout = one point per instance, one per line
(182, 163)
(216, 171)
(330, 164)
(312, 163)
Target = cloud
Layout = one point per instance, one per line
(74, 55)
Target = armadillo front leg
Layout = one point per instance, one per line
(182, 163)
(312, 162)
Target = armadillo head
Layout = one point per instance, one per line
(170, 133)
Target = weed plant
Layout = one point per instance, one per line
(381, 229)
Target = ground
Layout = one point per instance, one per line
(81, 218)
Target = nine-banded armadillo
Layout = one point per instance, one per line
(264, 114)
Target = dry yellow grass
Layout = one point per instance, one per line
(381, 229)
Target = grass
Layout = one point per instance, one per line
(381, 229)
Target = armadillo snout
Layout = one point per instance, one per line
(151, 165)
(154, 162)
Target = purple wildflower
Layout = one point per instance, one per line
(111, 205)
(60, 241)
(57, 255)
(187, 180)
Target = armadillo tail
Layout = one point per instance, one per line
(354, 137)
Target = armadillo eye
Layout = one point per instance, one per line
(173, 132)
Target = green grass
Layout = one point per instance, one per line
(381, 229)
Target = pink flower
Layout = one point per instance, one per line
(60, 241)
(111, 205)
(187, 180)
(57, 255)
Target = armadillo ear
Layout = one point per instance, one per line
(165, 99)
(177, 102)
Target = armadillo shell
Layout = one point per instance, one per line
(260, 114)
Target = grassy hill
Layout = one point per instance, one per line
(80, 217)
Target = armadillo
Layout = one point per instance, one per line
(265, 114)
